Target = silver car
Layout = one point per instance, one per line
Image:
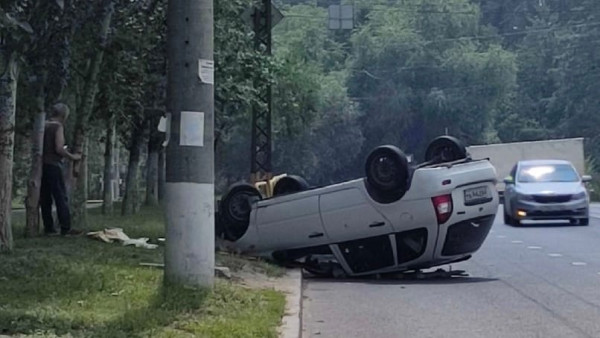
(546, 190)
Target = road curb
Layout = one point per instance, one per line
(291, 322)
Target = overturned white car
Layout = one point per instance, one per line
(397, 218)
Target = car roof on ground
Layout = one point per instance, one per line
(543, 162)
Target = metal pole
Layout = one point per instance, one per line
(189, 188)
(261, 144)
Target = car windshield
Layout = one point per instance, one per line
(548, 173)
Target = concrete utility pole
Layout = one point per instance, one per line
(189, 189)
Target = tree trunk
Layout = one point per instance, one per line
(161, 173)
(117, 169)
(107, 194)
(32, 226)
(80, 192)
(152, 177)
(83, 115)
(130, 200)
(8, 99)
(155, 140)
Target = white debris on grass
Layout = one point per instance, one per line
(117, 235)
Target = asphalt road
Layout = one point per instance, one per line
(534, 281)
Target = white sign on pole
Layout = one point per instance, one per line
(206, 71)
(191, 130)
(162, 124)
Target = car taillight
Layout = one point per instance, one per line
(443, 207)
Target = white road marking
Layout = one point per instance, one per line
(579, 263)
(501, 236)
(554, 255)
(517, 242)
(534, 247)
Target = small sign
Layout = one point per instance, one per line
(341, 17)
(206, 71)
(191, 131)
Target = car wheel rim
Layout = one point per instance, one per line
(447, 153)
(239, 207)
(385, 171)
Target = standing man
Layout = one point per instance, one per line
(53, 182)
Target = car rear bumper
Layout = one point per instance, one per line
(467, 236)
(551, 211)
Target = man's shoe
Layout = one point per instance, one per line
(71, 233)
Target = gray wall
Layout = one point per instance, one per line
(504, 156)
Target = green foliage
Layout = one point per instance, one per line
(237, 66)
(415, 77)
(485, 71)
(314, 120)
(557, 60)
(82, 287)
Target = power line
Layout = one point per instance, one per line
(382, 8)
(521, 32)
(494, 36)
(421, 10)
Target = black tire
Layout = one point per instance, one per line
(387, 169)
(289, 185)
(507, 219)
(235, 210)
(445, 149)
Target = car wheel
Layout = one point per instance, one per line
(507, 219)
(387, 169)
(445, 149)
(289, 185)
(236, 208)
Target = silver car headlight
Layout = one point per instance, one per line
(579, 196)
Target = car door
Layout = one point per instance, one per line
(347, 215)
(359, 232)
(291, 222)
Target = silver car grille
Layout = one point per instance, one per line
(551, 198)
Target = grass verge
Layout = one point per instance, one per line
(84, 288)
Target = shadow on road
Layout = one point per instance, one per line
(557, 224)
(402, 280)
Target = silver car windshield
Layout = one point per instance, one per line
(547, 173)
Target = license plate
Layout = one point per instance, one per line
(477, 195)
